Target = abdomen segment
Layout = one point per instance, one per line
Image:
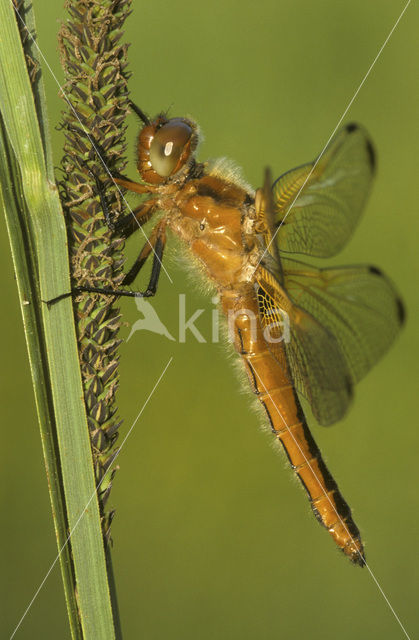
(272, 386)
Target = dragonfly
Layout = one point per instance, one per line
(300, 330)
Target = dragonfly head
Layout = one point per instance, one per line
(166, 148)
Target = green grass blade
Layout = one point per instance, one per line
(38, 239)
(13, 204)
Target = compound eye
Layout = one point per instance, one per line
(170, 147)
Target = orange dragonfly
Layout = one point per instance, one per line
(339, 320)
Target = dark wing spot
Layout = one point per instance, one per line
(351, 126)
(401, 311)
(371, 155)
(375, 270)
(349, 387)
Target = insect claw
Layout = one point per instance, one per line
(53, 301)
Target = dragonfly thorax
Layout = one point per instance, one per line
(209, 219)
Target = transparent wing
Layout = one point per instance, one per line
(358, 305)
(317, 205)
(265, 226)
(306, 351)
(340, 322)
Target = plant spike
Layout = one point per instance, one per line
(95, 64)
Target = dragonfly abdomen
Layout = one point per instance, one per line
(271, 384)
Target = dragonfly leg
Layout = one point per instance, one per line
(136, 187)
(139, 112)
(102, 197)
(128, 223)
(156, 243)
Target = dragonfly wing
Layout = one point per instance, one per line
(358, 305)
(265, 207)
(306, 350)
(331, 326)
(318, 205)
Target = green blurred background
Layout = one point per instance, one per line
(213, 537)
